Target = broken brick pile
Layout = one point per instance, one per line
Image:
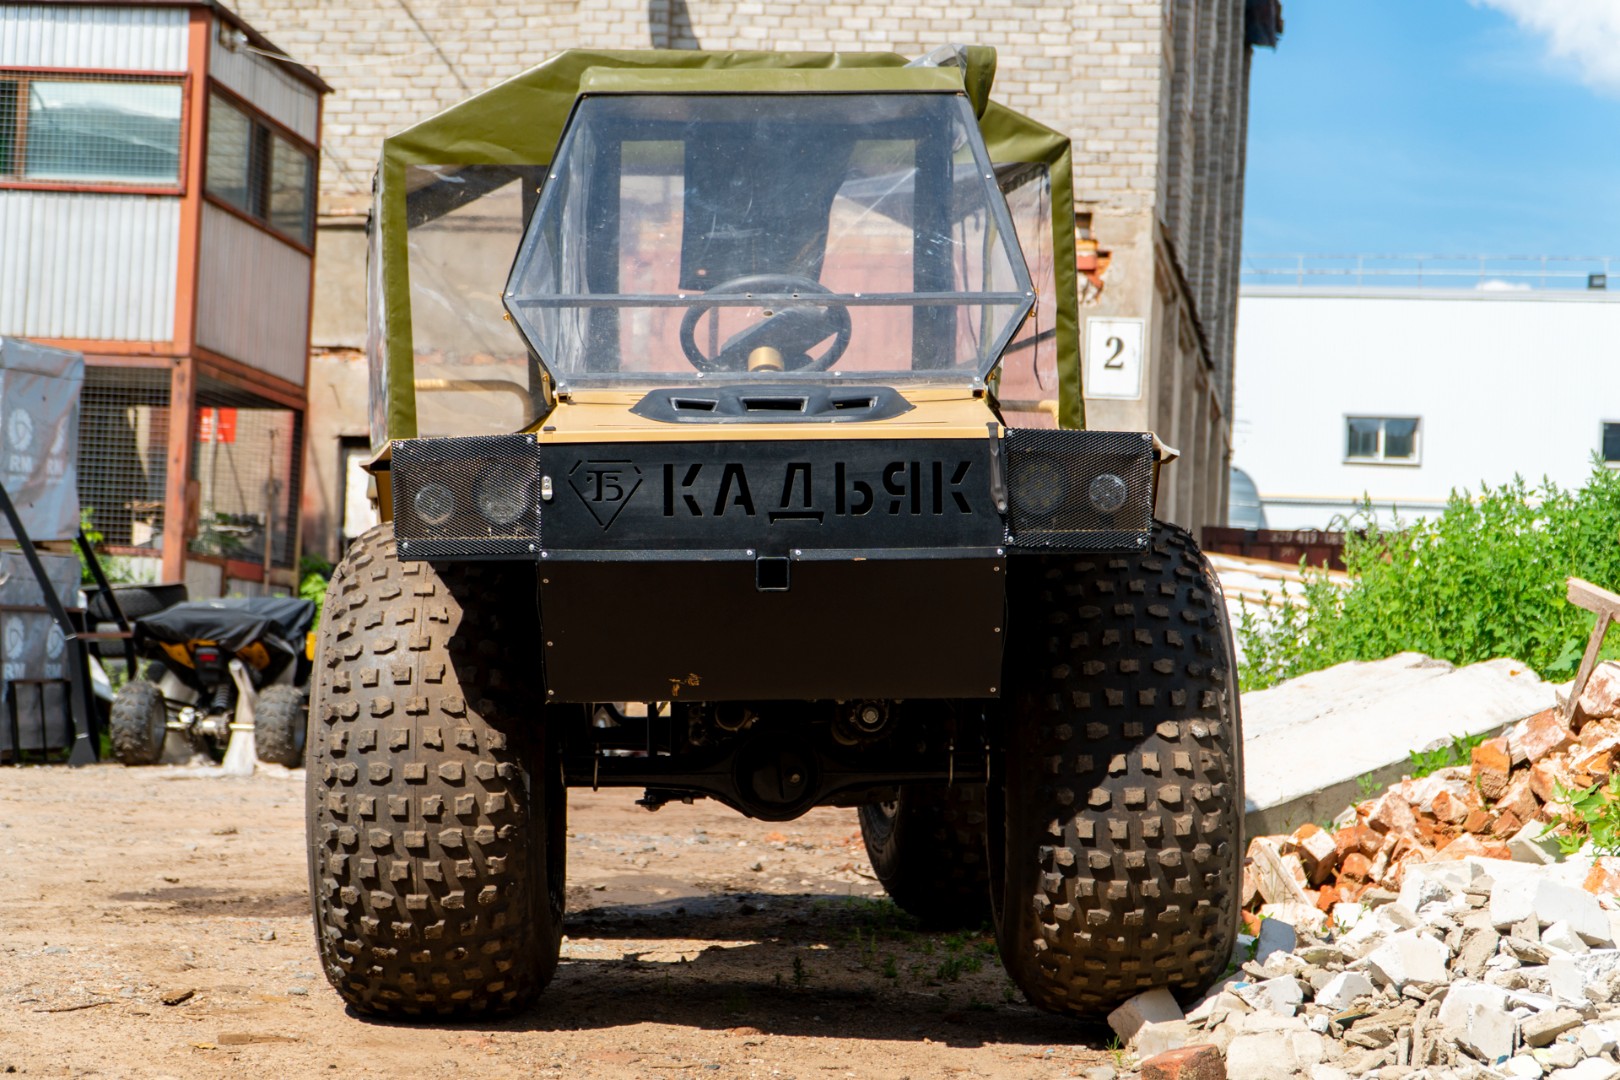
(1497, 807)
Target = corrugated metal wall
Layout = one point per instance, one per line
(93, 36)
(266, 84)
(253, 296)
(78, 266)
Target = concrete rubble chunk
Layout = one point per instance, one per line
(1328, 1072)
(1562, 937)
(1574, 978)
(1590, 1069)
(1150, 1007)
(1543, 1028)
(1477, 1018)
(1600, 1038)
(1341, 991)
(1557, 1055)
(1276, 935)
(1158, 1038)
(1409, 956)
(1281, 996)
(1522, 1067)
(1478, 947)
(1302, 916)
(1549, 901)
(1274, 1055)
(1201, 1062)
(1529, 845)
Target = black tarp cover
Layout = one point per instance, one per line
(276, 624)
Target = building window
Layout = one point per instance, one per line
(1611, 442)
(89, 130)
(1391, 439)
(254, 169)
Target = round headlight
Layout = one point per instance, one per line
(1040, 485)
(434, 503)
(1107, 493)
(504, 494)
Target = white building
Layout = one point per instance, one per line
(1404, 394)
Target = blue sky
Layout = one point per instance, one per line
(1437, 126)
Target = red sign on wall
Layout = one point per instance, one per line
(216, 425)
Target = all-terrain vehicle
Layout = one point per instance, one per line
(202, 656)
(707, 393)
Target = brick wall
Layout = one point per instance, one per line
(1154, 94)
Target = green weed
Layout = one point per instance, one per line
(954, 967)
(1484, 579)
(1594, 814)
(1458, 752)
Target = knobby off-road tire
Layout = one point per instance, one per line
(280, 725)
(1123, 799)
(435, 805)
(138, 723)
(928, 849)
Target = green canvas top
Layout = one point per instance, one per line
(519, 122)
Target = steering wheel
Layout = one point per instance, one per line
(793, 329)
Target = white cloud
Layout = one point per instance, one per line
(1584, 33)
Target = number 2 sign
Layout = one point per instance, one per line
(1113, 358)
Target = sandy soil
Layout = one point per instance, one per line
(153, 922)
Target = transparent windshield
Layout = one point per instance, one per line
(776, 236)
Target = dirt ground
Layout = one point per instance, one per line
(153, 922)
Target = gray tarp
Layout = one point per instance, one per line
(39, 437)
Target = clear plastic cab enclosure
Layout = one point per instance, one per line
(780, 236)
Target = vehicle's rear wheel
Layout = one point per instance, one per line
(280, 725)
(138, 723)
(435, 804)
(1123, 795)
(928, 849)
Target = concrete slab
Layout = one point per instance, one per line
(1307, 741)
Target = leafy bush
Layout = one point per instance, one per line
(313, 574)
(1484, 579)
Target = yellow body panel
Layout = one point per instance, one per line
(605, 416)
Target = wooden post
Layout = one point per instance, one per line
(1583, 594)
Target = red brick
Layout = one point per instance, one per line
(1519, 800)
(1451, 809)
(1202, 1062)
(1359, 839)
(1390, 813)
(1604, 880)
(1536, 736)
(1491, 765)
(1355, 866)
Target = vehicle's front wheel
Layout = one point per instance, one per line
(138, 723)
(435, 804)
(928, 849)
(1123, 797)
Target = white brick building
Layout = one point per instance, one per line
(1154, 94)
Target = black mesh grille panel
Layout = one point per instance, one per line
(1079, 490)
(466, 496)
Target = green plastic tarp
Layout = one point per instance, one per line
(520, 121)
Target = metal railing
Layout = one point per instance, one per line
(1486, 272)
